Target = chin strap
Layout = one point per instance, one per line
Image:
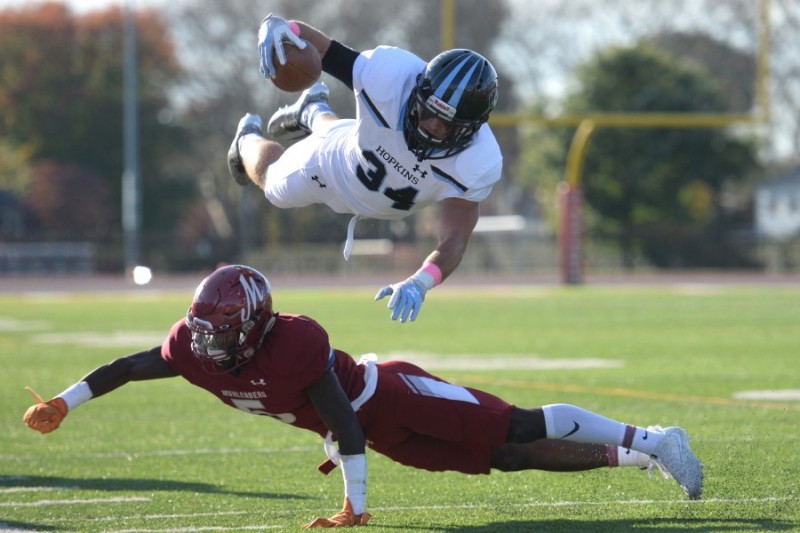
(351, 229)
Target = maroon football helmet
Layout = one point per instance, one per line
(230, 314)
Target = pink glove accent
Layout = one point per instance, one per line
(433, 270)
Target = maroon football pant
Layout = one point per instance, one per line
(420, 420)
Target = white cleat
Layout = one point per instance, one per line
(674, 457)
(248, 124)
(286, 124)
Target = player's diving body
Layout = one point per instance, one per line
(234, 345)
(420, 137)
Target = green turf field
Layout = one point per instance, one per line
(163, 456)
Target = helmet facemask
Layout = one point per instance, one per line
(424, 144)
(459, 88)
(224, 349)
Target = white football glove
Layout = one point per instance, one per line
(272, 33)
(407, 298)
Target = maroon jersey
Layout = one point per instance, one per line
(295, 354)
(413, 417)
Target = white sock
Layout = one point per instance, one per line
(312, 112)
(568, 422)
(619, 456)
(248, 136)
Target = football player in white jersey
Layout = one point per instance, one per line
(419, 137)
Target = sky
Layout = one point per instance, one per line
(80, 6)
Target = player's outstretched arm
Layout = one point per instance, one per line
(457, 220)
(335, 410)
(46, 416)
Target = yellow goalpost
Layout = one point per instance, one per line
(571, 247)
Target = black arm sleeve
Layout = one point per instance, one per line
(136, 367)
(339, 61)
(333, 407)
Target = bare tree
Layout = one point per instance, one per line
(542, 43)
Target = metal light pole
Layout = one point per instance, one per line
(131, 204)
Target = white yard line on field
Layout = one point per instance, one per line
(165, 453)
(105, 339)
(43, 503)
(149, 516)
(563, 503)
(770, 499)
(475, 362)
(194, 528)
(34, 489)
(632, 393)
(574, 503)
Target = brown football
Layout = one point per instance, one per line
(302, 68)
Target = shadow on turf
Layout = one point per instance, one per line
(668, 525)
(13, 525)
(135, 485)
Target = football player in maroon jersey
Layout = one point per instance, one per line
(234, 345)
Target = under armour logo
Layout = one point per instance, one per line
(316, 178)
(421, 174)
(260, 381)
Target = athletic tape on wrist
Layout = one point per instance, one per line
(354, 472)
(77, 394)
(434, 271)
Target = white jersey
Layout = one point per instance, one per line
(363, 166)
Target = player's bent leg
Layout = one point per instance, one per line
(526, 425)
(249, 124)
(296, 180)
(549, 455)
(668, 448)
(257, 155)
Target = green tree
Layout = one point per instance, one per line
(61, 94)
(655, 191)
(70, 203)
(15, 168)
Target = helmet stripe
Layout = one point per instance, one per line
(453, 86)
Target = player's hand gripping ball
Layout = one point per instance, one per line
(301, 70)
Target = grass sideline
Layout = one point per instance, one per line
(164, 456)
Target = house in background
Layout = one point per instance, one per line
(777, 221)
(777, 208)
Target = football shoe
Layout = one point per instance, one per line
(287, 124)
(248, 124)
(674, 457)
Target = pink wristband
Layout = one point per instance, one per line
(433, 270)
(294, 27)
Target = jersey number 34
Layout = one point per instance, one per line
(373, 177)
